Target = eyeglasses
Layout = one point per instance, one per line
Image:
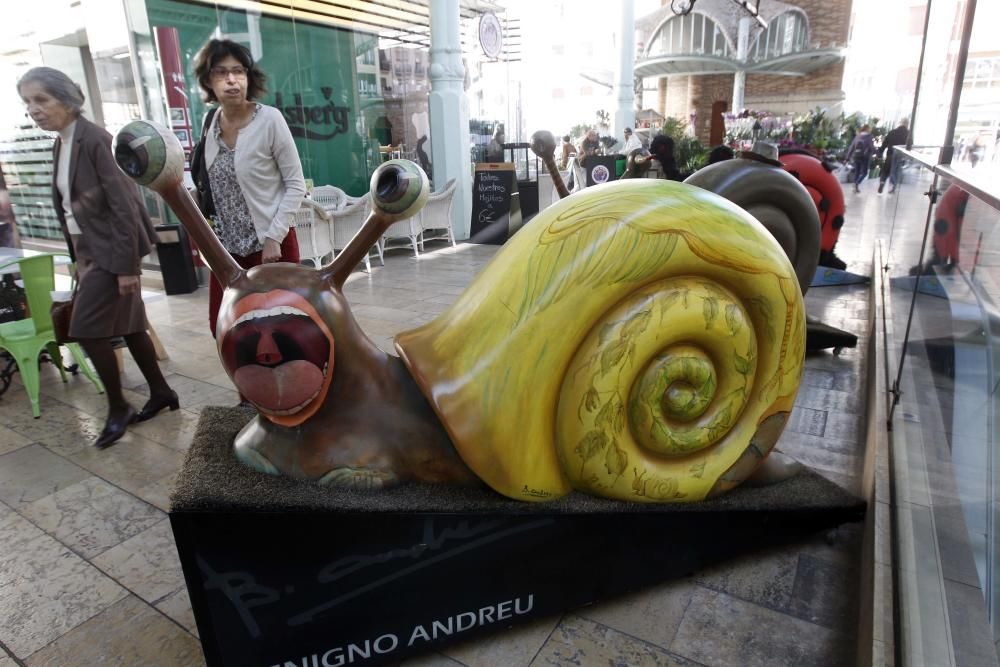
(223, 72)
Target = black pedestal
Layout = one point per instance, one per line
(282, 571)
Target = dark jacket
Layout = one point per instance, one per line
(897, 137)
(117, 231)
(862, 148)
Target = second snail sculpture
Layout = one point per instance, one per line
(643, 341)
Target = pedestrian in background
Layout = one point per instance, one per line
(898, 136)
(253, 165)
(631, 142)
(107, 231)
(591, 145)
(860, 153)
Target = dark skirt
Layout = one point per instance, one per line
(99, 311)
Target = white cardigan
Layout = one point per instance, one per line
(268, 170)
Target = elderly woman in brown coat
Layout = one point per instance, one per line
(108, 231)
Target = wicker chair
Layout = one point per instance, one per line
(330, 197)
(314, 232)
(435, 216)
(346, 223)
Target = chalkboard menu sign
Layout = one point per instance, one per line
(496, 206)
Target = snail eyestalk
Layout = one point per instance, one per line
(398, 189)
(544, 146)
(151, 155)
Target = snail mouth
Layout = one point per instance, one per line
(280, 358)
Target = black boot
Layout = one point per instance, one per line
(157, 403)
(115, 427)
(830, 260)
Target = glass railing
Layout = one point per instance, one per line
(940, 253)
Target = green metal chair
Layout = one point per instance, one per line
(25, 339)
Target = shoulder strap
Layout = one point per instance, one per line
(208, 121)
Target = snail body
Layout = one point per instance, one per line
(640, 341)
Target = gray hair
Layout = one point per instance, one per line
(57, 84)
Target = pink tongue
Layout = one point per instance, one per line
(279, 388)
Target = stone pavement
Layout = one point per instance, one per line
(89, 574)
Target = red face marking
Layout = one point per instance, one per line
(279, 353)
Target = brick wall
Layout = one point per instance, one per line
(829, 23)
(713, 88)
(676, 102)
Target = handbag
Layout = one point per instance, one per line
(199, 174)
(62, 314)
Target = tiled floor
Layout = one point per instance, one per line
(89, 574)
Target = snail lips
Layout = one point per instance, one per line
(279, 354)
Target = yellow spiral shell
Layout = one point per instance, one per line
(642, 340)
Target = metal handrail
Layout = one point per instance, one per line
(960, 178)
(922, 158)
(978, 191)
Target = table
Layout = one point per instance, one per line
(7, 254)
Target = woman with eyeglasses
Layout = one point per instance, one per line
(108, 232)
(253, 165)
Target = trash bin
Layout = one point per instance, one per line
(176, 265)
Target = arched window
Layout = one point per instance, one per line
(693, 34)
(786, 33)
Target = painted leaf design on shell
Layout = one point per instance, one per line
(612, 416)
(742, 364)
(591, 399)
(710, 310)
(720, 424)
(615, 460)
(766, 312)
(591, 445)
(606, 330)
(612, 356)
(618, 418)
(733, 319)
(667, 302)
(605, 416)
(636, 324)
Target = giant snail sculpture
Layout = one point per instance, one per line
(643, 341)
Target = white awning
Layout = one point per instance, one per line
(797, 64)
(793, 64)
(671, 65)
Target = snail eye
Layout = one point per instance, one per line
(149, 154)
(399, 188)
